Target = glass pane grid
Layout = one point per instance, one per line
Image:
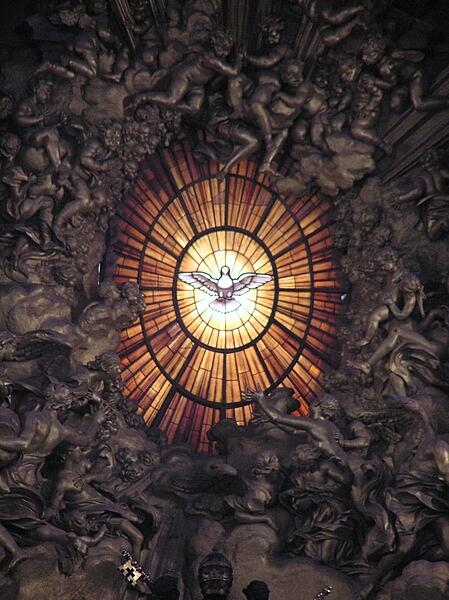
(200, 344)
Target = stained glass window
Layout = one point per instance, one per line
(200, 344)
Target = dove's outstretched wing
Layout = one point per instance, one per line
(200, 280)
(249, 281)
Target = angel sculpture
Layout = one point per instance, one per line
(225, 287)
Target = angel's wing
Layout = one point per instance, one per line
(202, 281)
(249, 281)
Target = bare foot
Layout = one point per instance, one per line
(361, 343)
(266, 168)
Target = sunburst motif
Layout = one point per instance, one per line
(185, 364)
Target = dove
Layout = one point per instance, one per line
(225, 287)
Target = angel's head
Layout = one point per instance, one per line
(267, 462)
(305, 456)
(282, 399)
(326, 407)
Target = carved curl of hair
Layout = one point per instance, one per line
(375, 42)
(272, 23)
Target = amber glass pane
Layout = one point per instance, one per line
(192, 354)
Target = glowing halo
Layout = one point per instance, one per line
(208, 253)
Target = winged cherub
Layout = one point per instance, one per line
(225, 287)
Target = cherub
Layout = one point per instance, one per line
(234, 139)
(94, 48)
(284, 109)
(349, 68)
(43, 430)
(186, 91)
(74, 491)
(337, 22)
(413, 352)
(366, 108)
(258, 96)
(40, 122)
(429, 189)
(401, 72)
(31, 197)
(87, 202)
(406, 288)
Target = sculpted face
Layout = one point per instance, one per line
(306, 454)
(321, 78)
(43, 91)
(200, 28)
(350, 70)
(10, 146)
(292, 75)
(369, 83)
(430, 159)
(373, 50)
(6, 107)
(273, 36)
(222, 45)
(97, 7)
(59, 397)
(282, 399)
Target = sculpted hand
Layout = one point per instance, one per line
(50, 118)
(130, 104)
(241, 55)
(78, 483)
(395, 201)
(102, 413)
(253, 396)
(337, 436)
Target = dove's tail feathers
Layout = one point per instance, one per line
(225, 305)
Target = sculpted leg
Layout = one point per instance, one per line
(360, 131)
(243, 517)
(417, 94)
(262, 117)
(248, 144)
(132, 532)
(441, 527)
(378, 315)
(177, 89)
(344, 14)
(235, 94)
(49, 139)
(272, 152)
(8, 543)
(83, 68)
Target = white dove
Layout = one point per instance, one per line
(224, 287)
